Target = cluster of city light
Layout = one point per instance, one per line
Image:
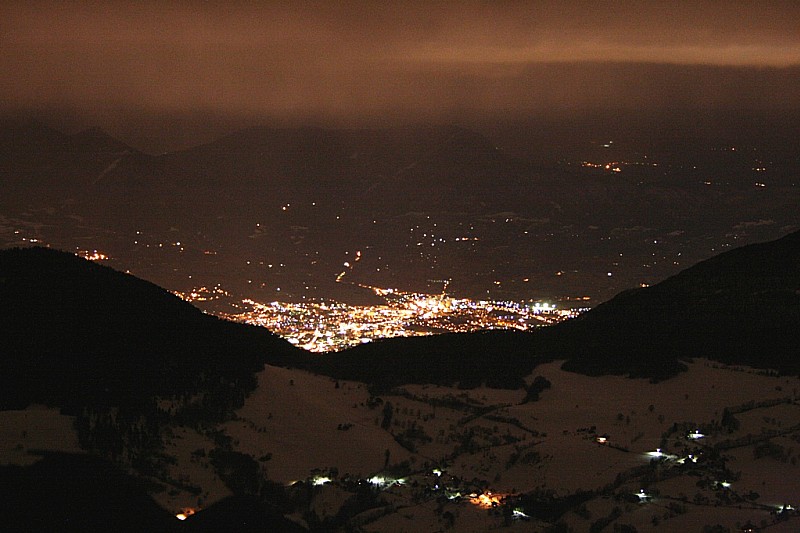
(617, 166)
(487, 500)
(435, 483)
(385, 482)
(613, 167)
(203, 294)
(91, 255)
(330, 326)
(658, 454)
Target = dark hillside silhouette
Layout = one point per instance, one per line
(82, 334)
(104, 345)
(496, 358)
(241, 514)
(77, 333)
(74, 492)
(741, 307)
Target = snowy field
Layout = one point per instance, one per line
(431, 453)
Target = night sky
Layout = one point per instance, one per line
(166, 75)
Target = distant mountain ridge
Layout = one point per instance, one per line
(348, 162)
(260, 155)
(33, 154)
(96, 140)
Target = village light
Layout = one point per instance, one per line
(377, 480)
(517, 513)
(185, 513)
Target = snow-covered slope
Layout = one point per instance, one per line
(314, 429)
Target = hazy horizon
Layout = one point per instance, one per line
(168, 77)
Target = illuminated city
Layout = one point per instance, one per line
(325, 326)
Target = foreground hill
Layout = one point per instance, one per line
(496, 358)
(740, 307)
(127, 361)
(78, 333)
(76, 492)
(85, 493)
(575, 459)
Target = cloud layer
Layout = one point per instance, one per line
(356, 60)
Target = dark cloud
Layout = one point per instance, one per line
(362, 60)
